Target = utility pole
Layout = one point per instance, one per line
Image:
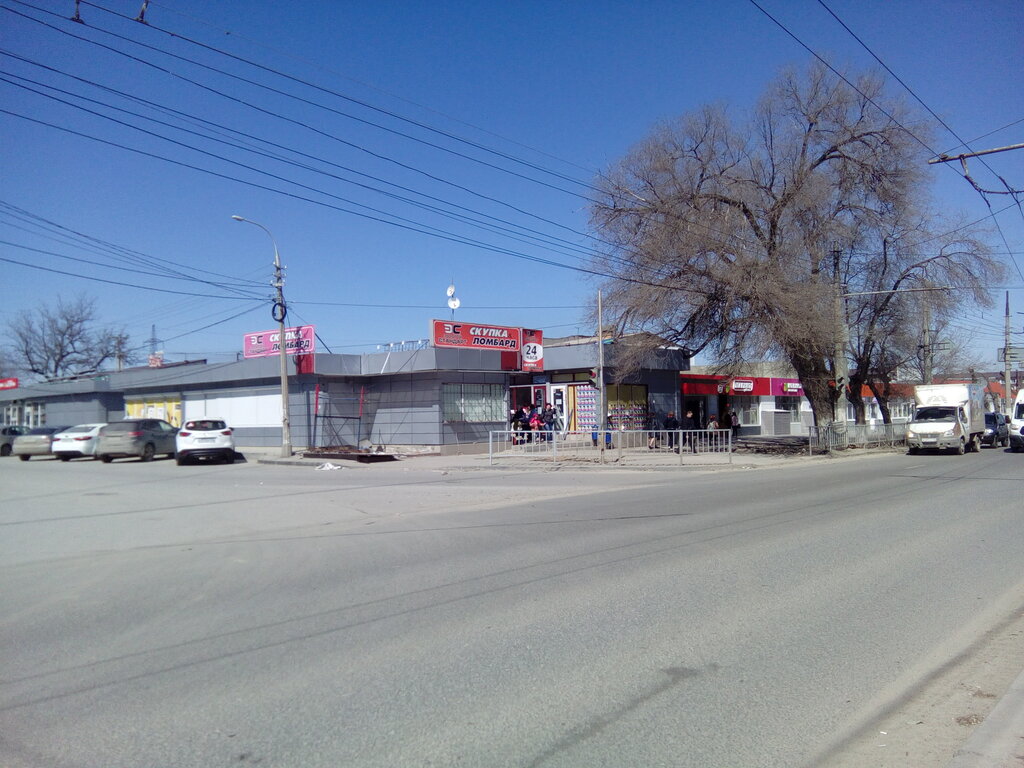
(1007, 384)
(926, 348)
(841, 370)
(602, 413)
(279, 312)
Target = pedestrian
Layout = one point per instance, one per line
(689, 425)
(547, 416)
(726, 420)
(735, 420)
(671, 425)
(712, 423)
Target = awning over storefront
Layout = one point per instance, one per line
(747, 386)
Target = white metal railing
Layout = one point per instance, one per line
(839, 436)
(618, 444)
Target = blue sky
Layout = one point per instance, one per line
(546, 95)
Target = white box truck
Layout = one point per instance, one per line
(947, 417)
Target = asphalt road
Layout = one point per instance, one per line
(395, 615)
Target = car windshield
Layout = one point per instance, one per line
(934, 413)
(991, 420)
(43, 431)
(205, 425)
(122, 426)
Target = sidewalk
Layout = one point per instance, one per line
(999, 741)
(750, 453)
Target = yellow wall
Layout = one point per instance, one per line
(168, 409)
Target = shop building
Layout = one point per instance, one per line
(764, 404)
(427, 397)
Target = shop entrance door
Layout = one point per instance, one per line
(559, 399)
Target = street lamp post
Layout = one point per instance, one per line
(279, 313)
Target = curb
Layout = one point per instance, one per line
(999, 741)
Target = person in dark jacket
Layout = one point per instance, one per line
(689, 424)
(671, 425)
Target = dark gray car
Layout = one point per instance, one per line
(135, 437)
(7, 435)
(996, 431)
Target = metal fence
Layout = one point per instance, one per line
(839, 436)
(681, 446)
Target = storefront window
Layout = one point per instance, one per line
(746, 409)
(474, 402)
(35, 415)
(788, 403)
(12, 414)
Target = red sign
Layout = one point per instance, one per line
(475, 336)
(533, 350)
(298, 341)
(8, 383)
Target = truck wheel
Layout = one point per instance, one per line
(961, 448)
(912, 451)
(976, 444)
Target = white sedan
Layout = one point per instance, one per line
(76, 441)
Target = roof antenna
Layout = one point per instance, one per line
(77, 17)
(142, 12)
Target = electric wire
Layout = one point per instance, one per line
(287, 53)
(345, 97)
(565, 247)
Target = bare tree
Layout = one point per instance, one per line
(722, 237)
(64, 340)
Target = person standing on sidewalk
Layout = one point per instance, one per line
(689, 424)
(671, 425)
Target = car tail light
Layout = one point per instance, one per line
(87, 437)
(134, 434)
(226, 432)
(184, 434)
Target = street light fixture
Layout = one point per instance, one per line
(279, 312)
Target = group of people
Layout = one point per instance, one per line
(689, 423)
(534, 423)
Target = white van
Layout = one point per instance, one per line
(1017, 423)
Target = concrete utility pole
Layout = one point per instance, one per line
(841, 370)
(926, 348)
(1007, 383)
(279, 312)
(602, 413)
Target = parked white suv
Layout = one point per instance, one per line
(205, 439)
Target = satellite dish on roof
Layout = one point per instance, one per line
(451, 289)
(453, 303)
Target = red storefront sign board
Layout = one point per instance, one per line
(444, 333)
(533, 350)
(8, 383)
(702, 384)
